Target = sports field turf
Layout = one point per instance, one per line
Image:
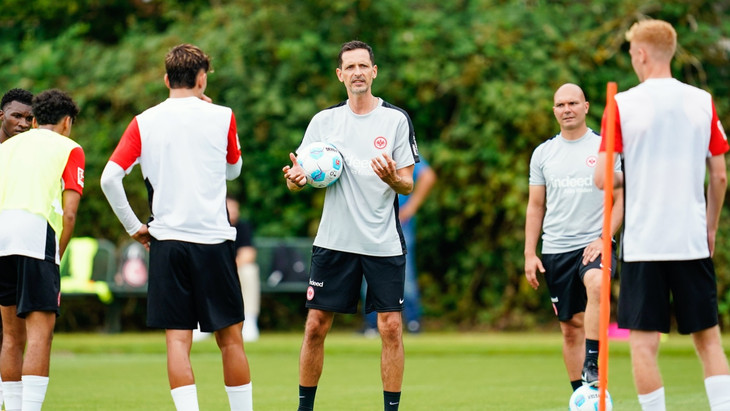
(444, 371)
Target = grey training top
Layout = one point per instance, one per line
(359, 214)
(573, 204)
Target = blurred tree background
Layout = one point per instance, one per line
(476, 76)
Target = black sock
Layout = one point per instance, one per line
(306, 398)
(392, 400)
(576, 384)
(592, 350)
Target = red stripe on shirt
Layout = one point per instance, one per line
(129, 148)
(73, 174)
(234, 152)
(718, 138)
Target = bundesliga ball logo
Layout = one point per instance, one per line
(586, 398)
(322, 164)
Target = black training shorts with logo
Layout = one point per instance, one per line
(335, 280)
(564, 274)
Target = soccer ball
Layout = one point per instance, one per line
(586, 398)
(322, 163)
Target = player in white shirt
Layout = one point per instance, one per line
(187, 148)
(670, 138)
(567, 208)
(359, 233)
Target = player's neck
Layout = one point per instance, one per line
(186, 92)
(56, 128)
(575, 133)
(657, 71)
(363, 104)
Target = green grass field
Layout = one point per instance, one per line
(444, 371)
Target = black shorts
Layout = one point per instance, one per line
(193, 283)
(645, 302)
(564, 274)
(30, 284)
(335, 279)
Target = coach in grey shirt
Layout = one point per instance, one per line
(567, 207)
(359, 234)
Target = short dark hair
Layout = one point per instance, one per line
(51, 106)
(16, 94)
(183, 63)
(354, 45)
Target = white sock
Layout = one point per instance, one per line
(718, 392)
(241, 397)
(1, 393)
(34, 392)
(653, 401)
(185, 398)
(13, 391)
(251, 319)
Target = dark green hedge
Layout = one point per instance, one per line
(477, 78)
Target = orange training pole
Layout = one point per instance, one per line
(606, 254)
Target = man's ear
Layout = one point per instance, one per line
(201, 81)
(338, 71)
(66, 124)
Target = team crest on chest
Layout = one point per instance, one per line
(591, 161)
(380, 142)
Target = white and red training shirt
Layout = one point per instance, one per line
(187, 148)
(666, 131)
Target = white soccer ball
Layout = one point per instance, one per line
(322, 163)
(586, 398)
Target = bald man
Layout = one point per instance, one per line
(566, 207)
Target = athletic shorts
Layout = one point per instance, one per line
(564, 274)
(649, 291)
(335, 279)
(30, 284)
(192, 283)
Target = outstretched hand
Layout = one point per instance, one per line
(294, 174)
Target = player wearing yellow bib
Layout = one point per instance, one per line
(41, 181)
